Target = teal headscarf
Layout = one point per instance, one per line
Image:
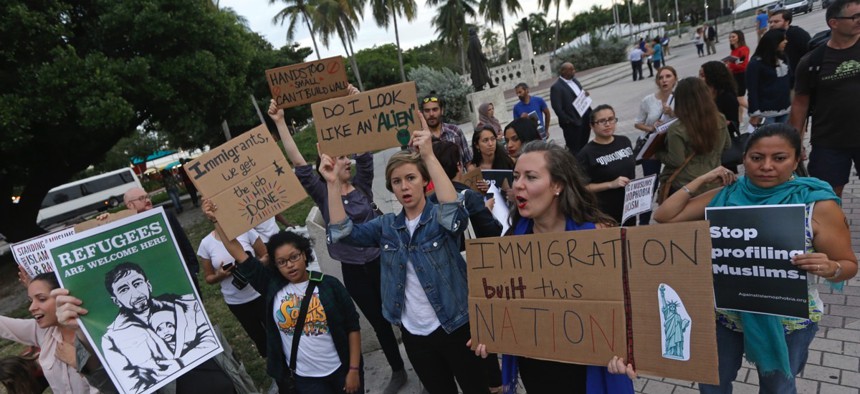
(764, 338)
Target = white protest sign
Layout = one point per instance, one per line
(582, 104)
(32, 255)
(638, 195)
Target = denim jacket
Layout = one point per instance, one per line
(433, 249)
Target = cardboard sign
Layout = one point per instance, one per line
(32, 254)
(549, 296)
(470, 178)
(248, 179)
(676, 258)
(377, 119)
(150, 327)
(93, 223)
(752, 253)
(309, 82)
(569, 289)
(638, 195)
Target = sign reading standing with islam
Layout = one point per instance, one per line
(32, 254)
(248, 178)
(145, 320)
(752, 251)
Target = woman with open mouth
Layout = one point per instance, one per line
(424, 288)
(57, 357)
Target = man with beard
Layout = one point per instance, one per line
(132, 345)
(433, 108)
(532, 107)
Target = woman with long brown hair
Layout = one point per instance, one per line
(693, 144)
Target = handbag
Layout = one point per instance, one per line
(373, 206)
(290, 381)
(734, 156)
(664, 189)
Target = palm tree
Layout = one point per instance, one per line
(292, 11)
(494, 11)
(491, 41)
(340, 17)
(450, 22)
(546, 4)
(385, 11)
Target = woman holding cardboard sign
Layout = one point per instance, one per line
(552, 197)
(359, 265)
(424, 290)
(778, 346)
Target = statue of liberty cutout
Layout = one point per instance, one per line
(676, 325)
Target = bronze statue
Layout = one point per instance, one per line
(478, 62)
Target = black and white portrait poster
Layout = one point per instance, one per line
(145, 321)
(751, 255)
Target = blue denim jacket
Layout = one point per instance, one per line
(433, 249)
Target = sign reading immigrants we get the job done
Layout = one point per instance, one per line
(248, 179)
(145, 321)
(752, 250)
(376, 119)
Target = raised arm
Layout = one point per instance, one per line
(290, 146)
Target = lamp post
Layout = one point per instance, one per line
(706, 10)
(677, 19)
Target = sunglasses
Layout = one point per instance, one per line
(431, 99)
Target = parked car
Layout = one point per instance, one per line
(798, 6)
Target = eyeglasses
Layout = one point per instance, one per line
(431, 99)
(853, 18)
(141, 199)
(292, 259)
(605, 122)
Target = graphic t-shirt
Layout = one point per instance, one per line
(418, 316)
(213, 250)
(536, 106)
(604, 163)
(317, 356)
(835, 123)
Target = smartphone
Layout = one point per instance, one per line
(228, 266)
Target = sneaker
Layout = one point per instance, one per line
(398, 380)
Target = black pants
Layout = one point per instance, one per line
(440, 358)
(252, 317)
(363, 284)
(650, 69)
(576, 136)
(541, 376)
(637, 69)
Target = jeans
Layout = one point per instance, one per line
(252, 316)
(657, 63)
(700, 48)
(332, 384)
(440, 358)
(776, 119)
(650, 167)
(730, 350)
(362, 282)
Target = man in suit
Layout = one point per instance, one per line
(576, 127)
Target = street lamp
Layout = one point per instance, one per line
(706, 10)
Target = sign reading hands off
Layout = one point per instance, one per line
(248, 179)
(562, 297)
(376, 119)
(304, 83)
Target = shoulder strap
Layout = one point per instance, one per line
(300, 324)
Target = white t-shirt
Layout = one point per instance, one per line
(418, 316)
(317, 354)
(267, 229)
(213, 250)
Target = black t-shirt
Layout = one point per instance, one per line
(605, 163)
(727, 104)
(835, 123)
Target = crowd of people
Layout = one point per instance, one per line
(405, 271)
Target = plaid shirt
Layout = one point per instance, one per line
(452, 133)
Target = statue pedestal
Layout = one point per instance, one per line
(497, 97)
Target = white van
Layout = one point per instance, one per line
(95, 193)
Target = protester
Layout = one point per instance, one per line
(360, 266)
(635, 57)
(244, 302)
(832, 88)
(694, 143)
(57, 356)
(646, 49)
(172, 189)
(608, 163)
(776, 346)
(487, 117)
(487, 153)
(563, 93)
(532, 107)
(551, 197)
(22, 375)
(414, 243)
(699, 41)
(710, 38)
(798, 39)
(518, 133)
(768, 81)
(433, 109)
(656, 109)
(657, 53)
(739, 67)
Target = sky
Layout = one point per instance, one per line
(418, 32)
